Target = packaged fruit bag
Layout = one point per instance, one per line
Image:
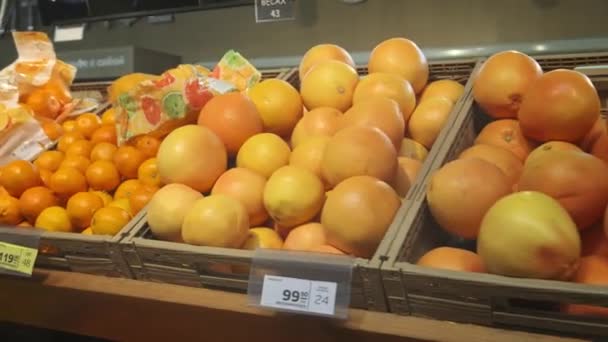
(156, 105)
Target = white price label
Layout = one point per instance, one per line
(28, 150)
(299, 295)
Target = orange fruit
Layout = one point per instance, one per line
(402, 57)
(263, 153)
(147, 173)
(323, 52)
(80, 148)
(123, 204)
(109, 221)
(69, 126)
(81, 207)
(278, 104)
(52, 129)
(305, 237)
(428, 119)
(87, 123)
(454, 259)
(18, 176)
(9, 210)
(506, 133)
(407, 171)
(44, 103)
(76, 161)
(246, 186)
(233, 117)
(102, 175)
(506, 161)
(49, 160)
(105, 197)
(103, 151)
(449, 89)
(45, 176)
(68, 139)
(140, 197)
(322, 121)
(390, 86)
(126, 189)
(410, 148)
(105, 133)
(127, 160)
(67, 181)
(107, 118)
(329, 84)
(34, 200)
(147, 144)
(54, 219)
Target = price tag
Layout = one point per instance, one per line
(18, 250)
(306, 283)
(274, 10)
(28, 150)
(299, 294)
(17, 258)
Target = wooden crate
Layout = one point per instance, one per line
(227, 269)
(482, 298)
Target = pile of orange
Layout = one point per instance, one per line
(87, 184)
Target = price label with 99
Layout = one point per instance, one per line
(299, 294)
(17, 258)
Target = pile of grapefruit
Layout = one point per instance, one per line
(319, 168)
(86, 185)
(533, 189)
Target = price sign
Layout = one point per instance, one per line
(274, 10)
(307, 283)
(17, 258)
(299, 294)
(18, 250)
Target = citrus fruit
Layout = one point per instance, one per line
(410, 148)
(449, 89)
(34, 200)
(247, 187)
(455, 259)
(506, 134)
(54, 219)
(127, 160)
(147, 173)
(263, 153)
(81, 207)
(76, 161)
(102, 175)
(87, 123)
(391, 86)
(216, 221)
(428, 119)
(321, 53)
(126, 188)
(380, 112)
(107, 118)
(67, 181)
(592, 271)
(52, 129)
(321, 121)
(147, 144)
(45, 176)
(401, 57)
(87, 231)
(80, 148)
(9, 210)
(69, 126)
(109, 221)
(204, 151)
(123, 204)
(506, 161)
(329, 84)
(305, 237)
(105, 133)
(262, 237)
(105, 197)
(141, 197)
(279, 105)
(18, 176)
(49, 160)
(167, 209)
(309, 154)
(68, 139)
(405, 177)
(103, 151)
(233, 118)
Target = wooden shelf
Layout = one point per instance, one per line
(130, 310)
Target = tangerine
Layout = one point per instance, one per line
(76, 161)
(102, 175)
(68, 139)
(9, 210)
(147, 173)
(19, 176)
(34, 200)
(103, 151)
(105, 133)
(140, 197)
(109, 221)
(87, 123)
(49, 160)
(148, 144)
(126, 189)
(81, 207)
(80, 148)
(127, 160)
(67, 181)
(52, 129)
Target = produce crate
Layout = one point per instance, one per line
(482, 298)
(227, 269)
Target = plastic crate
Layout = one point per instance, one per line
(227, 269)
(482, 298)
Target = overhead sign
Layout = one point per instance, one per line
(274, 10)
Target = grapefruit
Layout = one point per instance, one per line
(506, 134)
(482, 182)
(322, 121)
(305, 237)
(598, 129)
(428, 119)
(191, 155)
(329, 84)
(279, 105)
(357, 214)
(449, 89)
(380, 112)
(552, 146)
(394, 87)
(263, 237)
(410, 148)
(506, 161)
(247, 187)
(321, 53)
(455, 259)
(401, 57)
(233, 118)
(560, 105)
(309, 154)
(357, 151)
(503, 81)
(263, 153)
(592, 270)
(216, 221)
(167, 209)
(293, 196)
(407, 171)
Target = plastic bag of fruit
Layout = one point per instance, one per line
(156, 105)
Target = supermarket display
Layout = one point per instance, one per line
(463, 190)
